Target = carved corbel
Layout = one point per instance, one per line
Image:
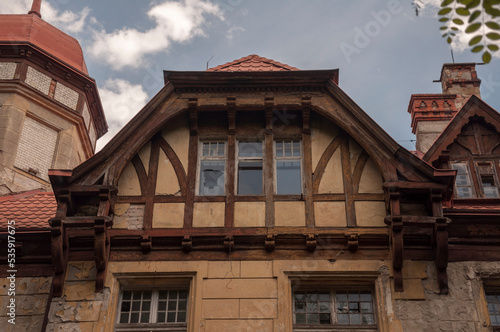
(311, 242)
(270, 243)
(101, 251)
(146, 244)
(352, 242)
(193, 116)
(187, 244)
(229, 244)
(397, 246)
(59, 255)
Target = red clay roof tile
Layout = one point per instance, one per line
(253, 63)
(30, 210)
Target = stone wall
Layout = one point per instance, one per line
(31, 298)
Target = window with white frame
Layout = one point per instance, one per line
(463, 183)
(288, 163)
(212, 158)
(332, 309)
(159, 309)
(250, 163)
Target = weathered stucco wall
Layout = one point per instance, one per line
(31, 298)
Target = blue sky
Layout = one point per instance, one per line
(383, 51)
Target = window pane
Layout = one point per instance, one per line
(250, 149)
(288, 177)
(464, 192)
(250, 178)
(212, 177)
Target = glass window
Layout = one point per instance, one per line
(493, 299)
(166, 308)
(487, 177)
(212, 168)
(288, 167)
(463, 183)
(250, 168)
(335, 308)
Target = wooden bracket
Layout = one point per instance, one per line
(352, 242)
(229, 244)
(146, 244)
(187, 244)
(193, 116)
(311, 242)
(270, 243)
(59, 255)
(101, 251)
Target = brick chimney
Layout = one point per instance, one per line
(431, 113)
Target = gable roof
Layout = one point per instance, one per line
(253, 63)
(474, 106)
(182, 92)
(30, 210)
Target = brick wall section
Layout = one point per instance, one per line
(86, 115)
(36, 147)
(31, 301)
(66, 96)
(7, 70)
(38, 80)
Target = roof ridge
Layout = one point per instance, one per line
(23, 194)
(254, 58)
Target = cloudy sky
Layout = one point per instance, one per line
(384, 52)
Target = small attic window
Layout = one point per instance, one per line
(463, 183)
(488, 179)
(212, 168)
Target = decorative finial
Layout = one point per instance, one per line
(35, 8)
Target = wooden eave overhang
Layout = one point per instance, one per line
(199, 81)
(26, 51)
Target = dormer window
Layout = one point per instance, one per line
(463, 183)
(488, 179)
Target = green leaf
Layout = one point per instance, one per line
(475, 40)
(458, 21)
(493, 47)
(443, 28)
(449, 40)
(477, 49)
(492, 11)
(486, 57)
(446, 3)
(462, 11)
(493, 36)
(474, 15)
(473, 3)
(454, 28)
(493, 25)
(473, 27)
(444, 19)
(444, 11)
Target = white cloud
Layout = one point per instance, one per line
(121, 100)
(67, 21)
(175, 22)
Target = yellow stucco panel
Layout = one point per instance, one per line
(370, 214)
(128, 184)
(167, 182)
(371, 179)
(323, 132)
(250, 214)
(330, 214)
(168, 215)
(289, 214)
(332, 181)
(176, 133)
(145, 154)
(209, 214)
